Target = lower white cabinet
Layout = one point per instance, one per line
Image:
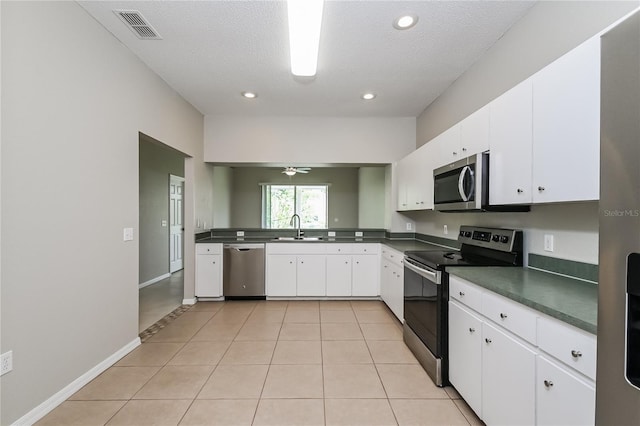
(562, 398)
(365, 280)
(311, 275)
(513, 379)
(281, 275)
(323, 269)
(208, 270)
(465, 355)
(392, 281)
(339, 275)
(508, 379)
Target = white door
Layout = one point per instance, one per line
(176, 186)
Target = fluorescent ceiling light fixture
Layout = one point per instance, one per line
(305, 22)
(250, 95)
(368, 96)
(405, 22)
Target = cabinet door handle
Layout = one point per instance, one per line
(576, 354)
(487, 340)
(472, 330)
(520, 191)
(548, 383)
(464, 149)
(461, 293)
(455, 153)
(503, 316)
(541, 188)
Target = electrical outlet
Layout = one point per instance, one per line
(331, 233)
(127, 234)
(163, 223)
(6, 362)
(358, 233)
(409, 226)
(445, 230)
(548, 242)
(239, 233)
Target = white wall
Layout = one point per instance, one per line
(73, 102)
(371, 197)
(308, 140)
(549, 30)
(574, 226)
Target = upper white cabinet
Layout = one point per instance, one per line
(511, 146)
(474, 133)
(415, 180)
(445, 148)
(566, 127)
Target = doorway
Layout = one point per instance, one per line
(161, 222)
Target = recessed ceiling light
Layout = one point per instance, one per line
(368, 96)
(405, 22)
(250, 95)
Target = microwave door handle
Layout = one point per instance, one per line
(463, 194)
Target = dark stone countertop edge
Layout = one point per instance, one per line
(572, 301)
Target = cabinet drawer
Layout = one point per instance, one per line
(338, 248)
(570, 345)
(209, 248)
(465, 293)
(510, 315)
(363, 248)
(392, 255)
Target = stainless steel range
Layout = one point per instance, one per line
(426, 290)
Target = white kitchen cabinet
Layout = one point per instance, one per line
(510, 162)
(508, 379)
(474, 133)
(445, 148)
(415, 181)
(208, 270)
(566, 127)
(339, 275)
(562, 398)
(465, 355)
(281, 275)
(311, 275)
(392, 281)
(365, 278)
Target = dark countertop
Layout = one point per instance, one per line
(570, 300)
(400, 245)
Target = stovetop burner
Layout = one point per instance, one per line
(480, 247)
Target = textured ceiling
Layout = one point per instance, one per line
(211, 51)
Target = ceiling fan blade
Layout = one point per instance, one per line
(302, 171)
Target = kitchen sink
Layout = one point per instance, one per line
(297, 239)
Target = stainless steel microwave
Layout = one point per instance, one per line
(464, 186)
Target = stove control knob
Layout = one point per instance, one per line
(504, 239)
(462, 233)
(496, 238)
(467, 234)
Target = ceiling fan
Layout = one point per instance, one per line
(290, 171)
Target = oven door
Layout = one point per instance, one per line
(425, 305)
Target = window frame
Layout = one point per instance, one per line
(265, 204)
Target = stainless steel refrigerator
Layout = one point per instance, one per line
(618, 374)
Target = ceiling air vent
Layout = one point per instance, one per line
(138, 24)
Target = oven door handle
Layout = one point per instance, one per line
(431, 275)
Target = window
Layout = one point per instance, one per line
(281, 202)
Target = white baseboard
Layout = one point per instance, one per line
(189, 301)
(153, 281)
(58, 398)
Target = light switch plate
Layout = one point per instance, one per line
(548, 242)
(127, 234)
(6, 362)
(164, 223)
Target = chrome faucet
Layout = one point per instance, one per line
(292, 223)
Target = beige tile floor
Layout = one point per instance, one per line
(269, 363)
(159, 299)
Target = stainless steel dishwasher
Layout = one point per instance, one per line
(243, 271)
